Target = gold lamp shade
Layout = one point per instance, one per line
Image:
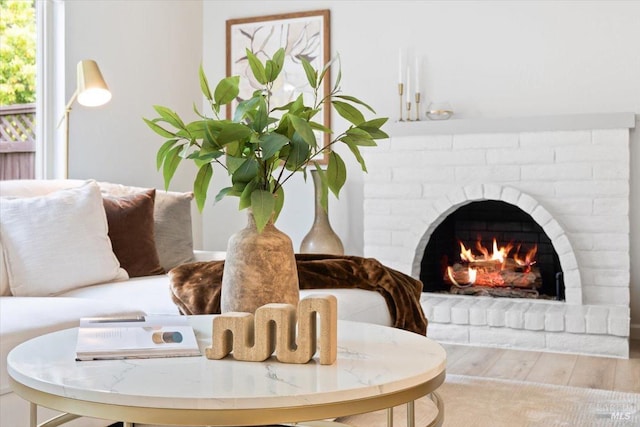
(92, 89)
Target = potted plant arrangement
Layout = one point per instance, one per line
(262, 147)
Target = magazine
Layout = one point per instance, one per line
(138, 337)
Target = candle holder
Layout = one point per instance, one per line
(409, 119)
(417, 106)
(400, 92)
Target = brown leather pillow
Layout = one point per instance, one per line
(131, 231)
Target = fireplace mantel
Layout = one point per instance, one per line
(573, 122)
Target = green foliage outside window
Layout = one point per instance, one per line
(17, 52)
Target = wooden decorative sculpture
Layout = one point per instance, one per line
(273, 328)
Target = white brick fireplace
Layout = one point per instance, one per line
(569, 173)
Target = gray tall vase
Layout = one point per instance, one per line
(321, 239)
(260, 268)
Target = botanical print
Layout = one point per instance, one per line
(300, 37)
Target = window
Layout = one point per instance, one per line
(17, 89)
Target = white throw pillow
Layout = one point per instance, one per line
(5, 290)
(57, 242)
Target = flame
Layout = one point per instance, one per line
(498, 253)
(466, 254)
(529, 258)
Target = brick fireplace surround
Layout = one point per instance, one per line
(570, 173)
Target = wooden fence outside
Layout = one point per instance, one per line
(17, 141)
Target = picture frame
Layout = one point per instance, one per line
(301, 34)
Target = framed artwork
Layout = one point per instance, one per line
(301, 34)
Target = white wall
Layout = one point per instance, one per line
(488, 58)
(149, 53)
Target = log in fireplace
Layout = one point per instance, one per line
(492, 248)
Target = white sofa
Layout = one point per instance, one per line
(54, 268)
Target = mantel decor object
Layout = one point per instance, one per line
(439, 111)
(261, 145)
(254, 338)
(401, 92)
(321, 239)
(417, 106)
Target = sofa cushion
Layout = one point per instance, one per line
(172, 213)
(174, 234)
(150, 294)
(5, 289)
(57, 242)
(172, 223)
(130, 220)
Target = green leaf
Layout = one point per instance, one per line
(262, 206)
(349, 112)
(233, 163)
(326, 69)
(356, 152)
(278, 60)
(244, 107)
(201, 184)
(170, 164)
(211, 132)
(312, 74)
(261, 116)
(298, 153)
(227, 90)
(204, 83)
(169, 116)
(222, 193)
(247, 171)
(357, 140)
(320, 127)
(256, 68)
(271, 143)
(336, 173)
(373, 128)
(245, 197)
(358, 137)
(355, 100)
(158, 129)
(279, 198)
(230, 131)
(162, 152)
(304, 129)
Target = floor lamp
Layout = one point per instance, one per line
(91, 91)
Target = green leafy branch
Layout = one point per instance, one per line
(262, 146)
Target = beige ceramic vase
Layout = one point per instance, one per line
(260, 268)
(321, 239)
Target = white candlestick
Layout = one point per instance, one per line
(400, 66)
(408, 84)
(417, 77)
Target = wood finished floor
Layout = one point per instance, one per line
(549, 368)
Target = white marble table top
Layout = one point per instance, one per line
(372, 361)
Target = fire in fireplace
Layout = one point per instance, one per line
(519, 261)
(503, 271)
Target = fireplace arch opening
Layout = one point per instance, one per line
(491, 247)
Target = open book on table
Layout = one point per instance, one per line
(139, 337)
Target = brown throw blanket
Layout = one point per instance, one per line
(195, 287)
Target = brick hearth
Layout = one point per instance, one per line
(570, 173)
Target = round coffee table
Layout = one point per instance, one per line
(377, 367)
